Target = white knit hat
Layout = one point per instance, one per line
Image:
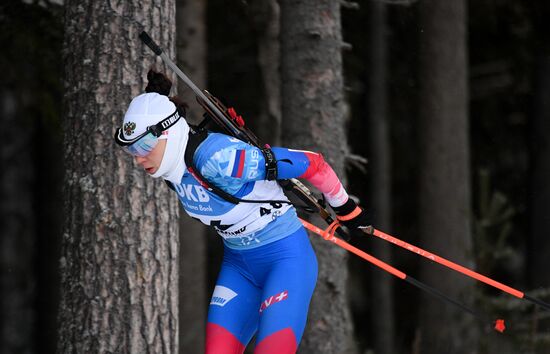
(148, 109)
(145, 110)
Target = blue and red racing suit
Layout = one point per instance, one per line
(269, 269)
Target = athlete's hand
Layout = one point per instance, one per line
(353, 216)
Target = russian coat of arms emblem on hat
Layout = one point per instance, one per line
(129, 128)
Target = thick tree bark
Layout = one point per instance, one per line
(313, 118)
(119, 263)
(381, 301)
(191, 58)
(444, 165)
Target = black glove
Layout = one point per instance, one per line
(353, 217)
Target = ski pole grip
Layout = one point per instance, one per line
(145, 38)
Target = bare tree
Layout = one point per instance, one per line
(191, 57)
(313, 118)
(382, 321)
(192, 50)
(119, 263)
(17, 278)
(30, 183)
(540, 157)
(540, 191)
(444, 165)
(265, 16)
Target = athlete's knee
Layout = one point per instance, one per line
(220, 341)
(280, 342)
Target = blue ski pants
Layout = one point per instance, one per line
(265, 292)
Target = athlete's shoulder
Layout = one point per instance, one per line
(217, 157)
(221, 140)
(216, 146)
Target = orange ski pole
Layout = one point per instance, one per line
(456, 267)
(328, 235)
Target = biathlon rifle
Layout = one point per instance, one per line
(235, 126)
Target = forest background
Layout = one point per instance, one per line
(441, 128)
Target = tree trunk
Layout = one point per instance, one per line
(313, 118)
(119, 258)
(540, 175)
(444, 165)
(265, 15)
(191, 55)
(539, 190)
(30, 182)
(382, 315)
(192, 51)
(17, 277)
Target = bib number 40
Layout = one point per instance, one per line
(274, 205)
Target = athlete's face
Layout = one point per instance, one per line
(151, 162)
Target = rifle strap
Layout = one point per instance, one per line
(196, 137)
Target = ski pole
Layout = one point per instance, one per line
(454, 266)
(328, 235)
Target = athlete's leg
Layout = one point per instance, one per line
(285, 299)
(233, 313)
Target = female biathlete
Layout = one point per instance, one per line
(269, 268)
